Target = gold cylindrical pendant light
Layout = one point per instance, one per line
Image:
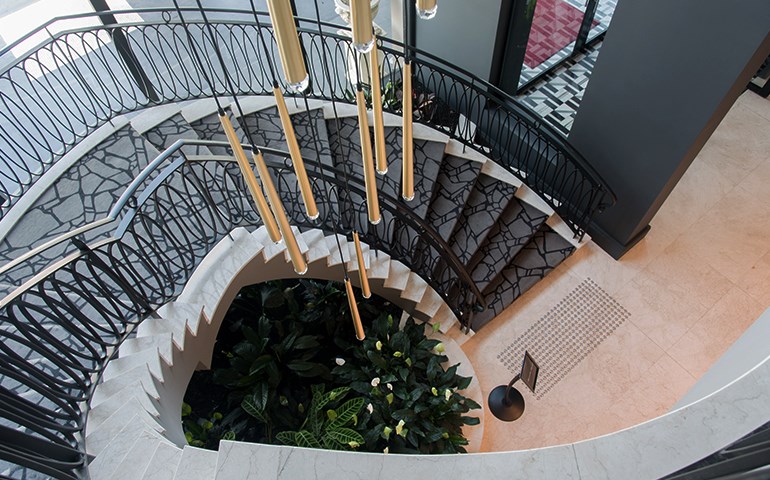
(372, 203)
(427, 8)
(251, 180)
(297, 259)
(289, 48)
(365, 290)
(354, 310)
(379, 126)
(296, 157)
(361, 19)
(407, 163)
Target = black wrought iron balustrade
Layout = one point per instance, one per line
(59, 329)
(69, 85)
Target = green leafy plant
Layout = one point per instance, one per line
(326, 426)
(204, 432)
(279, 338)
(414, 404)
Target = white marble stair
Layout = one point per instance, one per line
(163, 463)
(113, 454)
(196, 464)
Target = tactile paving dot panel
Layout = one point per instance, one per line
(565, 335)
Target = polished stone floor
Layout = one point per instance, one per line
(692, 286)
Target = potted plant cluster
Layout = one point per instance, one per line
(288, 370)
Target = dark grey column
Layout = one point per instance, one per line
(463, 34)
(667, 74)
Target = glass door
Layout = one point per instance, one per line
(552, 36)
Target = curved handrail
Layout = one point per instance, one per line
(555, 169)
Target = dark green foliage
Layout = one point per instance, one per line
(412, 388)
(279, 338)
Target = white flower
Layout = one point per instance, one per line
(378, 345)
(439, 348)
(385, 450)
(370, 408)
(375, 381)
(339, 361)
(390, 387)
(400, 426)
(447, 394)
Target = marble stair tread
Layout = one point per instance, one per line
(98, 414)
(153, 326)
(99, 438)
(181, 313)
(212, 276)
(197, 109)
(122, 365)
(161, 342)
(174, 128)
(253, 103)
(163, 463)
(139, 375)
(317, 247)
(273, 250)
(241, 460)
(334, 251)
(196, 464)
(544, 252)
(445, 318)
(149, 118)
(415, 288)
(430, 302)
(379, 265)
(398, 276)
(137, 459)
(210, 128)
(483, 207)
(453, 186)
(115, 450)
(514, 229)
(352, 265)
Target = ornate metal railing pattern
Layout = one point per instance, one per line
(54, 96)
(60, 328)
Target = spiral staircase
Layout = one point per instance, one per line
(139, 221)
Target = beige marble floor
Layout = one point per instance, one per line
(692, 286)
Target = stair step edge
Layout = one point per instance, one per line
(136, 460)
(164, 462)
(196, 464)
(110, 456)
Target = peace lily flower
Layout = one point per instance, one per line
(439, 348)
(339, 361)
(375, 381)
(397, 354)
(370, 408)
(389, 398)
(353, 444)
(400, 426)
(408, 362)
(386, 431)
(447, 394)
(434, 391)
(390, 387)
(386, 450)
(378, 345)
